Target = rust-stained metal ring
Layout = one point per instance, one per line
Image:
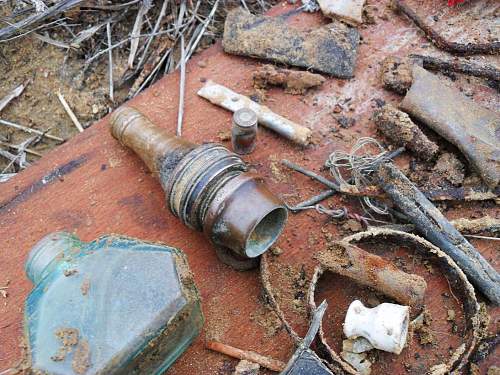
(458, 281)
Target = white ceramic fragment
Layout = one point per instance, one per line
(351, 11)
(357, 345)
(384, 326)
(358, 361)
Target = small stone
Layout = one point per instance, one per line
(451, 315)
(345, 122)
(493, 370)
(276, 251)
(202, 64)
(95, 109)
(357, 345)
(245, 367)
(358, 361)
(352, 226)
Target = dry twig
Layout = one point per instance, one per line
(182, 85)
(12, 95)
(31, 131)
(70, 112)
(270, 363)
(58, 8)
(110, 59)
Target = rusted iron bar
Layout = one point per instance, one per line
(458, 66)
(437, 229)
(440, 41)
(373, 271)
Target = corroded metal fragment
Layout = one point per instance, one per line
(329, 49)
(373, 271)
(398, 127)
(475, 130)
(436, 228)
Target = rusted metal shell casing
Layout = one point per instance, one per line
(206, 186)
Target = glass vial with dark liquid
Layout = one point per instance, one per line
(244, 131)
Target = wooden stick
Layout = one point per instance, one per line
(269, 363)
(110, 62)
(70, 113)
(29, 130)
(182, 84)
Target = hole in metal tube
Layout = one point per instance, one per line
(266, 232)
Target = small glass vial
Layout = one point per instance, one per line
(244, 131)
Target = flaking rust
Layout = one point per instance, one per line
(330, 49)
(431, 223)
(371, 270)
(398, 127)
(206, 186)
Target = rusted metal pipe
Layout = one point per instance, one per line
(207, 187)
(369, 269)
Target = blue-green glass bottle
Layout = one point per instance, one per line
(112, 306)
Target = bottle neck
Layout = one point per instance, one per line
(45, 252)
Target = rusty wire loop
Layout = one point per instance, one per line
(361, 163)
(342, 213)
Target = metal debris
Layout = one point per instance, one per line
(371, 270)
(244, 131)
(304, 361)
(294, 81)
(232, 101)
(436, 228)
(458, 65)
(396, 74)
(207, 187)
(269, 363)
(458, 282)
(330, 49)
(473, 226)
(475, 130)
(400, 129)
(439, 40)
